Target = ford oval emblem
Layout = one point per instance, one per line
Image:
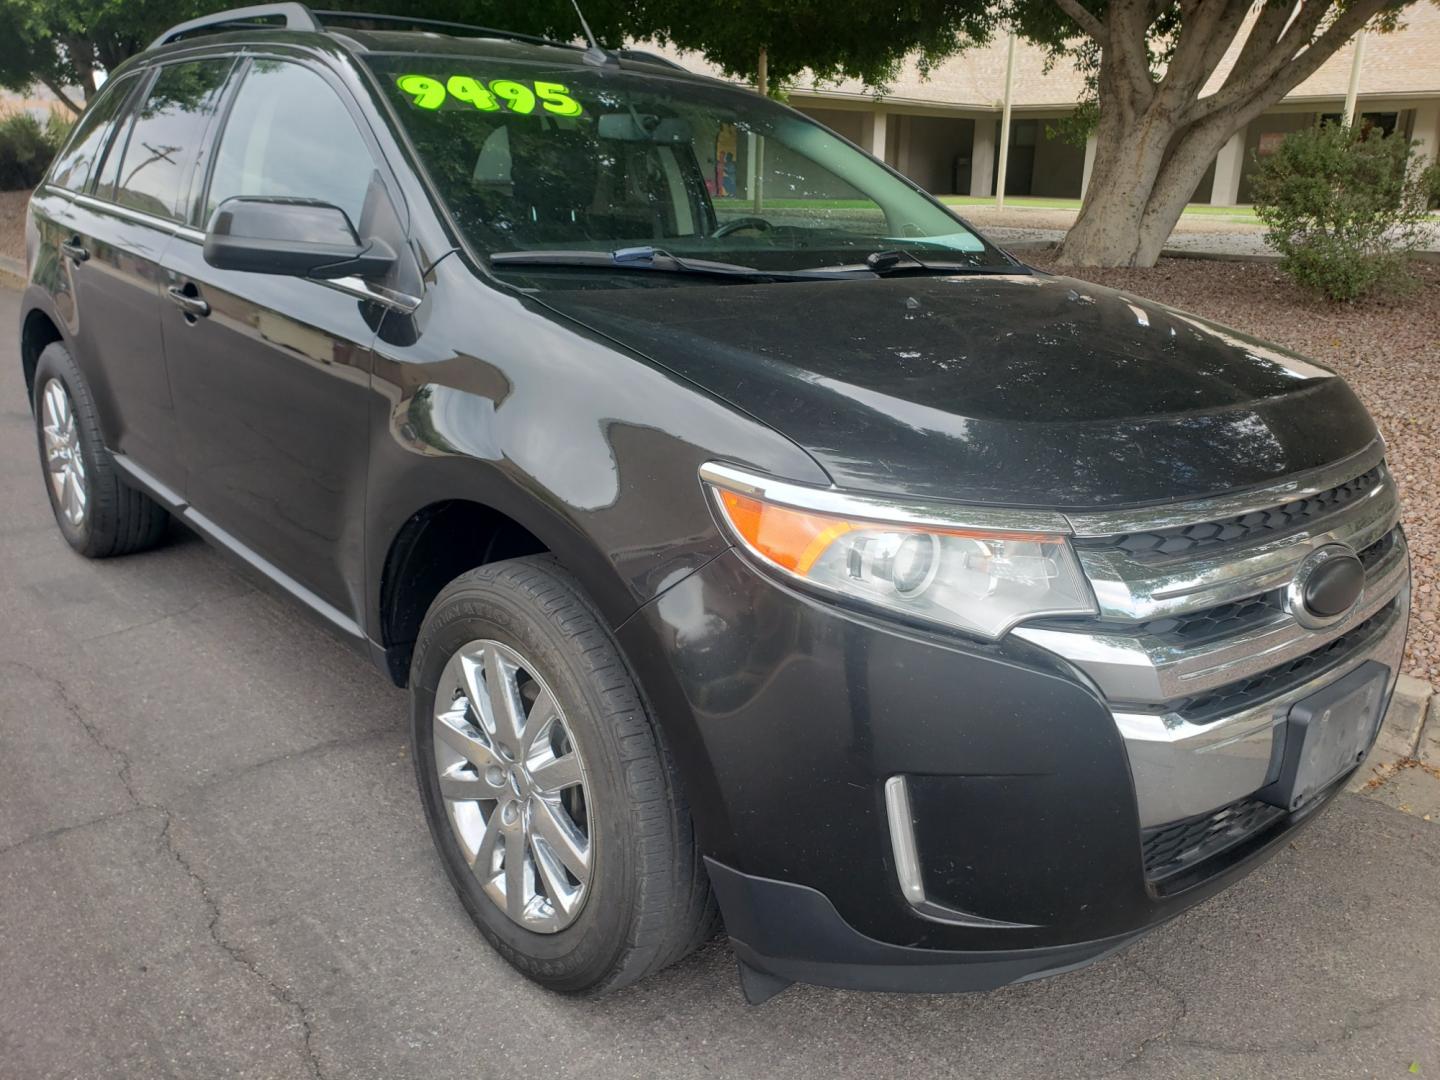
(1326, 588)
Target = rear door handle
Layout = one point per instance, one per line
(75, 249)
(192, 305)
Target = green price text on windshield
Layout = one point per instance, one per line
(511, 95)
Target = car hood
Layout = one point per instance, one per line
(1023, 389)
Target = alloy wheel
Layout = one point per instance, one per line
(514, 785)
(64, 462)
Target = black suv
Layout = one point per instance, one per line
(753, 536)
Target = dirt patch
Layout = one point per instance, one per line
(12, 223)
(1390, 354)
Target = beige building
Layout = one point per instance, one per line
(943, 132)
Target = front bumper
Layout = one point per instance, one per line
(1031, 842)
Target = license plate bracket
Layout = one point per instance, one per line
(1326, 735)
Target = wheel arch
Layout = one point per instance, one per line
(446, 530)
(37, 331)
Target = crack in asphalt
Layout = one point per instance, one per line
(62, 830)
(1182, 1010)
(158, 619)
(122, 767)
(238, 954)
(1357, 1020)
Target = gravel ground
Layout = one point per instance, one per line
(1389, 353)
(12, 223)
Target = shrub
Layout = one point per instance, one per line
(25, 152)
(1344, 211)
(57, 130)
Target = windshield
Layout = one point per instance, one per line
(546, 158)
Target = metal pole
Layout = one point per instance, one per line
(762, 83)
(1005, 124)
(1354, 89)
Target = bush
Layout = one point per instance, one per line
(25, 152)
(1344, 211)
(57, 130)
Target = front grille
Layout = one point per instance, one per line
(1182, 845)
(1223, 621)
(1163, 545)
(1237, 697)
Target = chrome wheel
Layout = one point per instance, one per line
(514, 785)
(64, 462)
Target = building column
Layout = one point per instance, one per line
(1426, 132)
(1228, 163)
(873, 130)
(902, 145)
(1091, 142)
(982, 157)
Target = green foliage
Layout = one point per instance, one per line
(834, 39)
(1344, 211)
(56, 130)
(63, 42)
(25, 152)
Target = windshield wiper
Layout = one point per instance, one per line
(658, 259)
(899, 260)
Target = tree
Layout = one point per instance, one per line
(65, 43)
(1157, 129)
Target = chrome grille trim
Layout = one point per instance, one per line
(1181, 769)
(1156, 668)
(1197, 511)
(1199, 707)
(1130, 590)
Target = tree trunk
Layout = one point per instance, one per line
(1155, 139)
(1117, 212)
(1131, 207)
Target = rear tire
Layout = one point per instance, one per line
(644, 899)
(98, 513)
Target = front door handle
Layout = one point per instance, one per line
(75, 249)
(188, 302)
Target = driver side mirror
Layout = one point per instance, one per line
(294, 237)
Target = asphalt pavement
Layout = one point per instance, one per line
(213, 864)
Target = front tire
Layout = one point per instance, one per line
(98, 513)
(547, 787)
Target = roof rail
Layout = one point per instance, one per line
(344, 17)
(648, 57)
(296, 17)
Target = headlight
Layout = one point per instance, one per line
(954, 566)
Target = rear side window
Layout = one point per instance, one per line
(73, 167)
(165, 135)
(289, 134)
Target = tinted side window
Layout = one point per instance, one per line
(75, 163)
(290, 134)
(154, 174)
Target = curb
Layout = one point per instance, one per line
(1428, 750)
(1409, 731)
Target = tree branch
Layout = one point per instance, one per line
(1206, 32)
(58, 90)
(1082, 18)
(1282, 69)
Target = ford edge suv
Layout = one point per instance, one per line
(755, 539)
